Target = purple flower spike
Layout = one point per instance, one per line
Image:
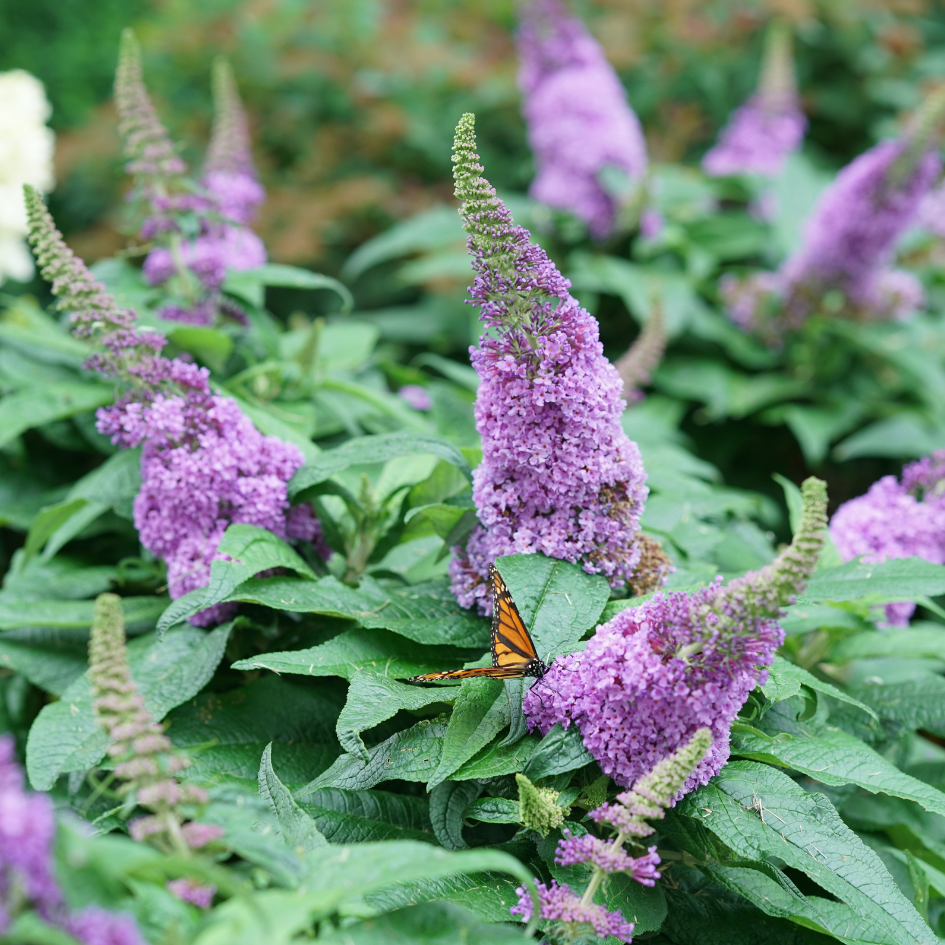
(770, 126)
(559, 904)
(850, 240)
(559, 475)
(94, 926)
(758, 138)
(27, 832)
(229, 174)
(579, 121)
(896, 519)
(654, 675)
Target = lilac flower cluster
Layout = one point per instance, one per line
(558, 474)
(850, 239)
(628, 815)
(758, 138)
(656, 673)
(27, 878)
(204, 465)
(557, 903)
(191, 267)
(896, 519)
(578, 118)
(762, 133)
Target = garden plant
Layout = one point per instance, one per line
(557, 555)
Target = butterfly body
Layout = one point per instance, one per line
(513, 652)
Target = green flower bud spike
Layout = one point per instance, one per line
(537, 808)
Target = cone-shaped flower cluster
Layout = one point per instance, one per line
(850, 239)
(654, 674)
(762, 133)
(646, 800)
(203, 464)
(229, 174)
(27, 875)
(145, 758)
(558, 474)
(896, 519)
(579, 121)
(201, 230)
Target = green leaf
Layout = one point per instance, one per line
(249, 550)
(210, 345)
(498, 758)
(895, 579)
(918, 640)
(298, 829)
(905, 435)
(835, 757)
(38, 406)
(376, 651)
(785, 680)
(560, 751)
(29, 929)
(557, 600)
(46, 523)
(409, 755)
(803, 618)
(429, 923)
(425, 613)
(494, 810)
(759, 812)
(48, 658)
(248, 282)
(792, 495)
(448, 800)
(65, 736)
(429, 230)
(702, 913)
(227, 731)
(918, 703)
(488, 895)
(644, 906)
(373, 699)
(363, 450)
(340, 875)
(75, 614)
(364, 816)
(481, 711)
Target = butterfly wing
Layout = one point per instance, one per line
(511, 644)
(493, 672)
(513, 652)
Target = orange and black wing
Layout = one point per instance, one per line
(511, 644)
(513, 652)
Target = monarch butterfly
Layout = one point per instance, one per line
(513, 652)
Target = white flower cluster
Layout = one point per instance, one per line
(26, 153)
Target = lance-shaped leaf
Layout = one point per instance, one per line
(298, 829)
(759, 812)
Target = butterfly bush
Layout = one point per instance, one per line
(762, 133)
(202, 229)
(850, 239)
(204, 465)
(27, 869)
(896, 518)
(655, 674)
(578, 119)
(558, 474)
(647, 800)
(26, 157)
